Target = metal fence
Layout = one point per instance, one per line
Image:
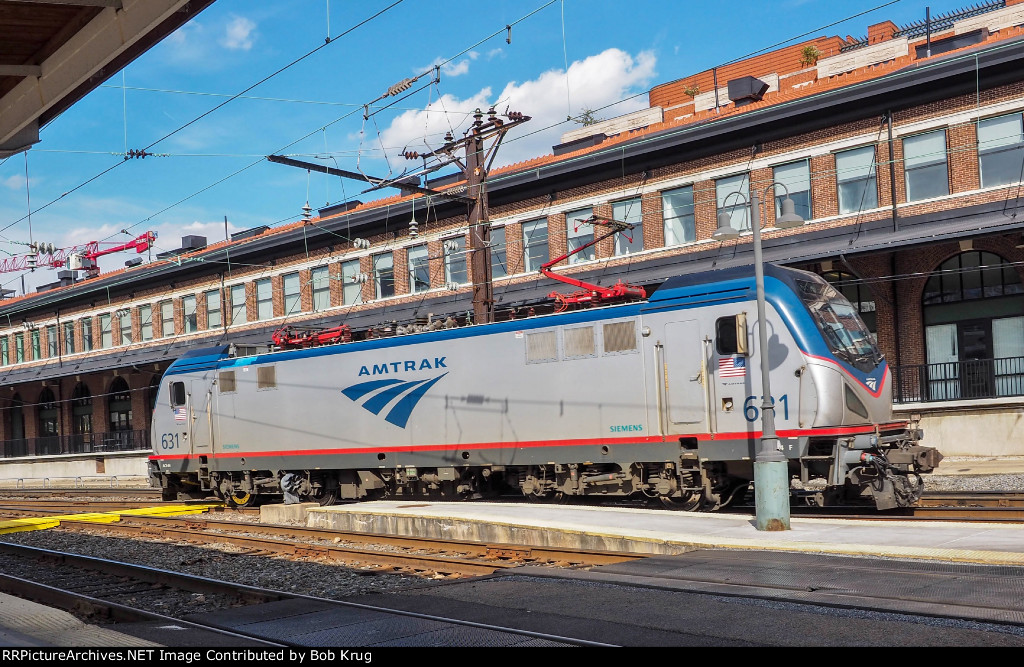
(80, 443)
(959, 380)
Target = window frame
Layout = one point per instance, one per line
(294, 296)
(239, 311)
(264, 299)
(456, 266)
(146, 322)
(870, 182)
(575, 239)
(685, 230)
(925, 171)
(532, 241)
(623, 245)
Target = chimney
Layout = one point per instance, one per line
(881, 32)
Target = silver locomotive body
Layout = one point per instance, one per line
(657, 398)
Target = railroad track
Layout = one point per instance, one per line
(96, 589)
(433, 558)
(102, 591)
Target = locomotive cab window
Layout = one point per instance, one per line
(177, 394)
(731, 334)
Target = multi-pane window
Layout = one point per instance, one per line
(19, 348)
(106, 333)
(352, 289)
(213, 318)
(166, 318)
(69, 338)
(51, 341)
(189, 312)
(124, 324)
(734, 205)
(87, 334)
(384, 274)
(578, 234)
(856, 179)
(36, 351)
(680, 225)
(924, 163)
(535, 244)
(499, 268)
(1001, 150)
(629, 240)
(290, 288)
(5, 353)
(796, 177)
(146, 322)
(455, 260)
(264, 299)
(238, 312)
(320, 277)
(419, 269)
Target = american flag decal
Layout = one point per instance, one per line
(179, 414)
(732, 367)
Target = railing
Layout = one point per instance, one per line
(80, 443)
(959, 380)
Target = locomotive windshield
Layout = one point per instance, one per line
(843, 329)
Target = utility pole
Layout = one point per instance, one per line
(477, 164)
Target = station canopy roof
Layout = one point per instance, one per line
(54, 52)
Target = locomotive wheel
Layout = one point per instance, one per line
(324, 499)
(689, 503)
(241, 499)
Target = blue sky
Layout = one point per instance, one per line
(313, 110)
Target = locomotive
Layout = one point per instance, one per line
(655, 398)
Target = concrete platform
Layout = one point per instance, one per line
(24, 623)
(666, 533)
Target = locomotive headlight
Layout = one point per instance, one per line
(727, 404)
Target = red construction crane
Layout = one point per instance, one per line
(75, 258)
(590, 293)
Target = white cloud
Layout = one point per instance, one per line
(239, 34)
(594, 83)
(15, 182)
(451, 69)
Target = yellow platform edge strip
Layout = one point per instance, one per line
(42, 523)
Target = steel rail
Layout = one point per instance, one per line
(76, 602)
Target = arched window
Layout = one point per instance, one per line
(47, 410)
(973, 307)
(857, 293)
(48, 436)
(120, 405)
(970, 276)
(81, 409)
(17, 446)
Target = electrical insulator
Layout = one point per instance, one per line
(414, 228)
(402, 85)
(411, 155)
(451, 246)
(360, 244)
(360, 278)
(31, 260)
(452, 287)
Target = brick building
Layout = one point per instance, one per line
(903, 151)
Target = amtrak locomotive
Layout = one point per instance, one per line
(658, 398)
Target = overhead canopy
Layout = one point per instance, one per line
(54, 52)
